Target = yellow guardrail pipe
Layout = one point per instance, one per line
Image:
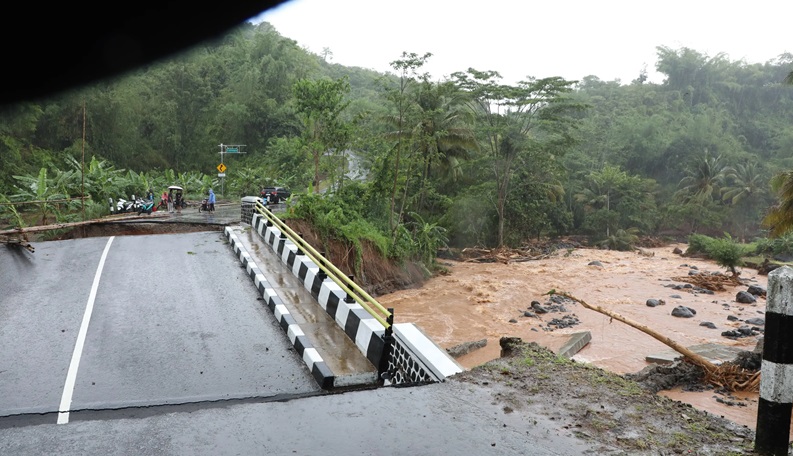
(351, 288)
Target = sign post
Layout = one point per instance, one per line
(226, 149)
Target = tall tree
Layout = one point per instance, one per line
(319, 104)
(407, 68)
(530, 117)
(444, 132)
(779, 218)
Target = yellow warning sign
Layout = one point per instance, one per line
(221, 168)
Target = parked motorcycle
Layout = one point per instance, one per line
(144, 205)
(124, 206)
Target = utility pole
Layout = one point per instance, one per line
(226, 149)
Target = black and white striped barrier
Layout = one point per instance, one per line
(414, 357)
(304, 347)
(772, 434)
(360, 326)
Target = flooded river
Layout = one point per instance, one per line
(476, 301)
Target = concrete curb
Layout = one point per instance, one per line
(360, 326)
(574, 345)
(318, 367)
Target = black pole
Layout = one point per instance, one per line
(349, 299)
(776, 374)
(388, 344)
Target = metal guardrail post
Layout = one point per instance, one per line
(349, 298)
(388, 348)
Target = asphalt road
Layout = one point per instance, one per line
(136, 321)
(163, 348)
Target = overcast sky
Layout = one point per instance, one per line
(611, 39)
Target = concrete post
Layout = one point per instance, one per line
(776, 374)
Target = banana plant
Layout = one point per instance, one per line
(8, 207)
(38, 191)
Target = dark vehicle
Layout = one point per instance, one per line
(205, 206)
(275, 195)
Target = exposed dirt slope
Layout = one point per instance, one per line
(619, 414)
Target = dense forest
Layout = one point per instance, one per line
(410, 162)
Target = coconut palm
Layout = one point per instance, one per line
(704, 181)
(444, 129)
(779, 218)
(744, 183)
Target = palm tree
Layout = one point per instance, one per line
(744, 183)
(704, 181)
(744, 188)
(779, 218)
(443, 132)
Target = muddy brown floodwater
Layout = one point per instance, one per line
(477, 301)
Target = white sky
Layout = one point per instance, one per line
(611, 39)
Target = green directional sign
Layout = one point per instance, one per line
(232, 150)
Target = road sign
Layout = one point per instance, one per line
(221, 168)
(232, 150)
(221, 174)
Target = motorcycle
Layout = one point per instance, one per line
(144, 205)
(124, 206)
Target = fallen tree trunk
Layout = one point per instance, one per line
(59, 226)
(727, 375)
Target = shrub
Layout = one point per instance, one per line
(622, 240)
(726, 252)
(698, 243)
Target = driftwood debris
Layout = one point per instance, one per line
(501, 255)
(17, 241)
(727, 375)
(712, 282)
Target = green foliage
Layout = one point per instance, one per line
(487, 163)
(726, 252)
(427, 238)
(698, 244)
(10, 217)
(471, 220)
(335, 218)
(41, 194)
(781, 245)
(622, 240)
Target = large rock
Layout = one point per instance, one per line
(745, 297)
(683, 312)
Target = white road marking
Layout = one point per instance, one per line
(71, 376)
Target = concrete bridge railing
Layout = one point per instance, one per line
(402, 352)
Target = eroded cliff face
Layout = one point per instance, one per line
(375, 273)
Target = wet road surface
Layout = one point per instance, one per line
(178, 357)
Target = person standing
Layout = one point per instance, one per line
(211, 201)
(179, 201)
(170, 201)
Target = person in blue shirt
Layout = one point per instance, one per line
(211, 200)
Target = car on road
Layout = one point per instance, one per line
(275, 195)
